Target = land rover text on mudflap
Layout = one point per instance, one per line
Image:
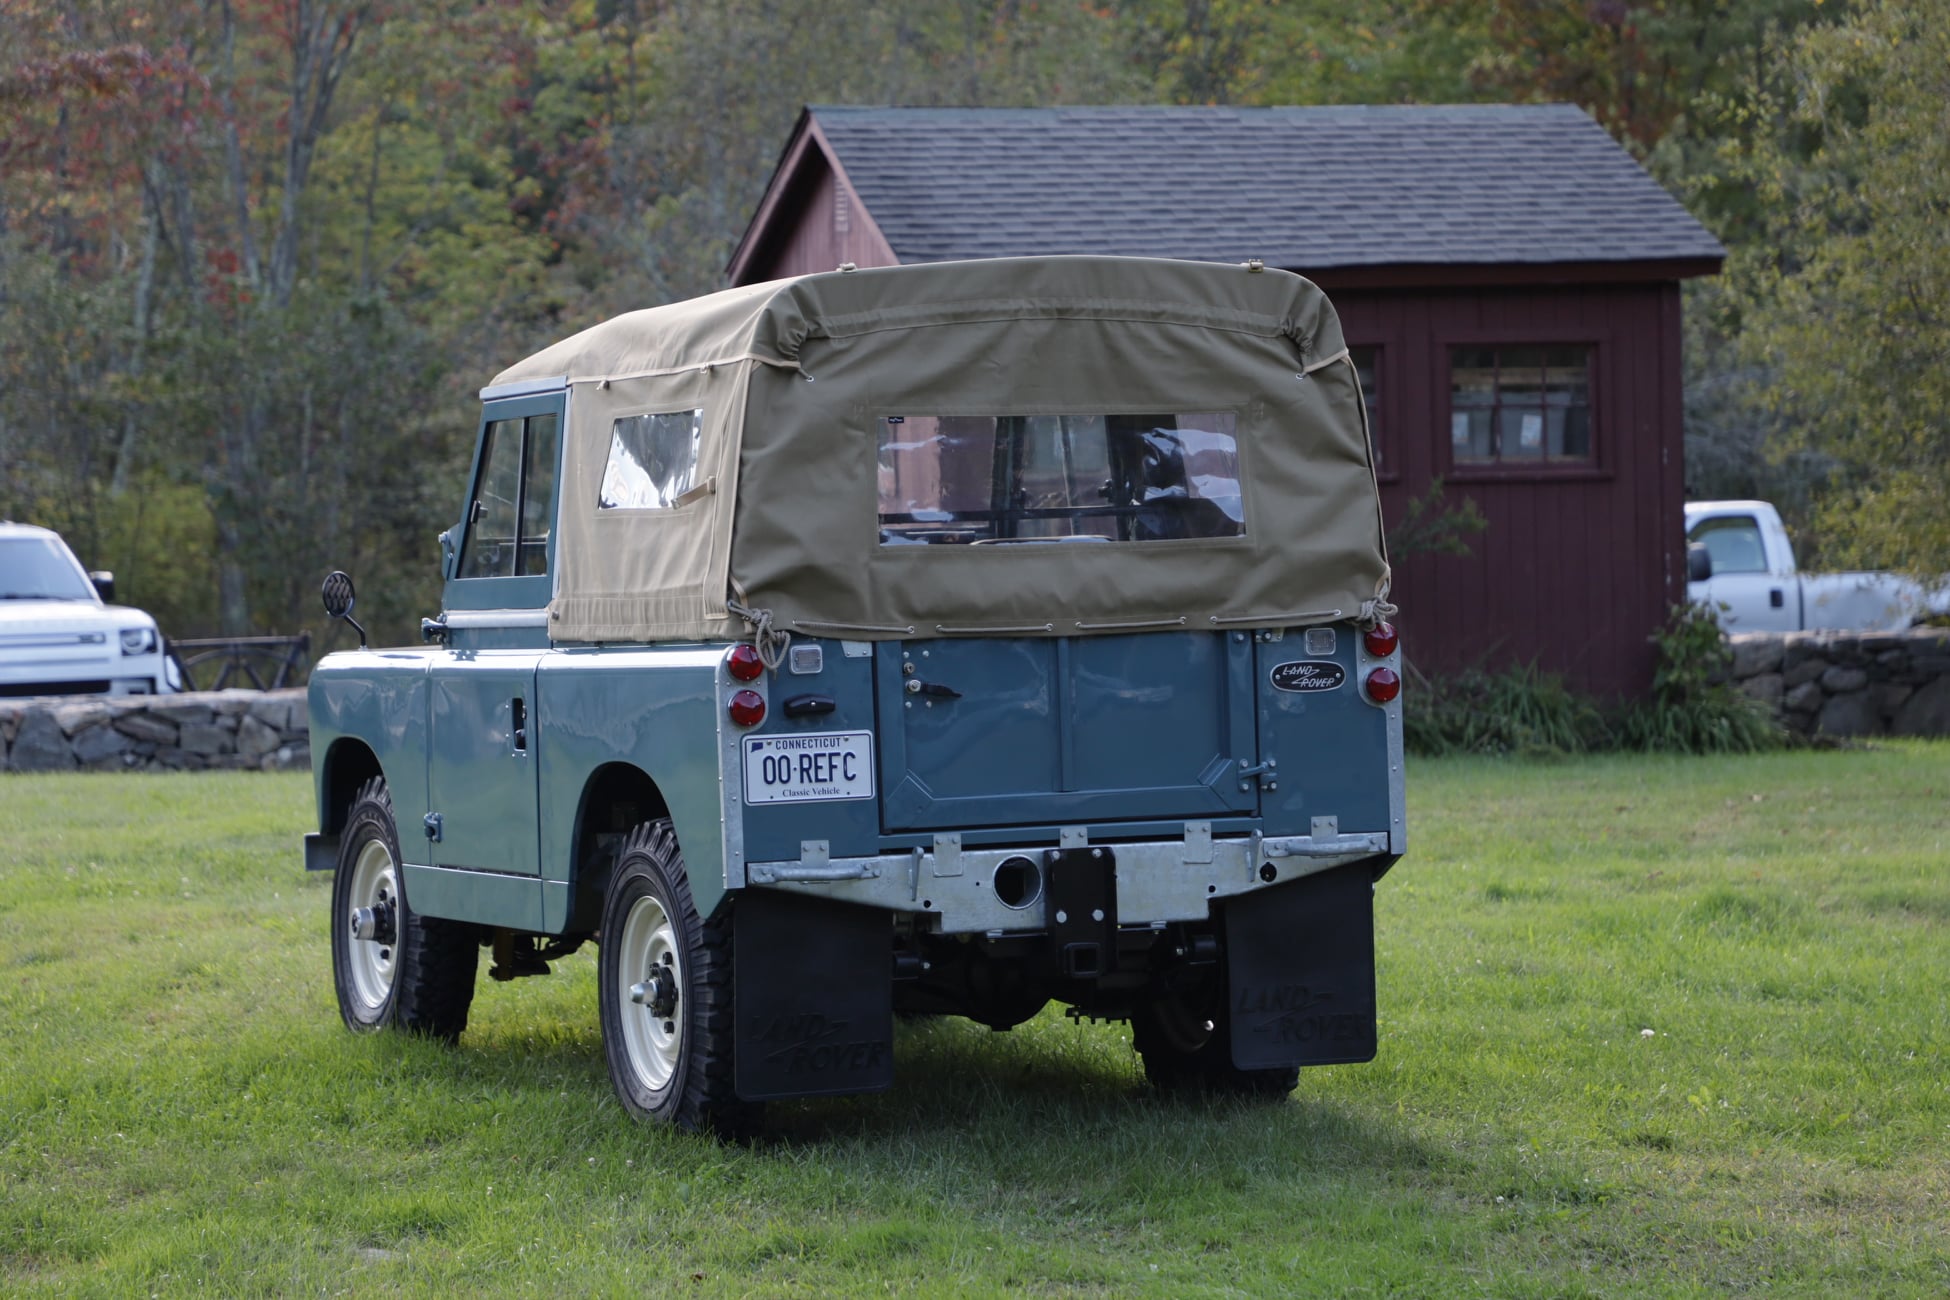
(950, 638)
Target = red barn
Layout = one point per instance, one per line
(1507, 276)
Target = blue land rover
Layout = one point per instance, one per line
(953, 639)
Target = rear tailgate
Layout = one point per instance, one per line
(1057, 730)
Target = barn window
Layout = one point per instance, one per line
(1513, 405)
(1367, 367)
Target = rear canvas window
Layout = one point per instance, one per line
(652, 460)
(974, 479)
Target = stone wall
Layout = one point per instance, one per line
(265, 730)
(1850, 683)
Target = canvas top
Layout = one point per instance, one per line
(1035, 446)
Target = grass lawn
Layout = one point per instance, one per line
(1649, 1026)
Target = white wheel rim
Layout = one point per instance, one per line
(375, 883)
(651, 1042)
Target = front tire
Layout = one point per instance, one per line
(390, 965)
(664, 984)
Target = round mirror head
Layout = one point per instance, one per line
(337, 594)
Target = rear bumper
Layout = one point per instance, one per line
(1157, 882)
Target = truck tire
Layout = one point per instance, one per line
(1186, 1046)
(664, 989)
(415, 972)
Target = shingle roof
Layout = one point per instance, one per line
(1305, 188)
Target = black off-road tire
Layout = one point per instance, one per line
(670, 1050)
(1186, 1045)
(423, 981)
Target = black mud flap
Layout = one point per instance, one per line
(812, 997)
(1300, 971)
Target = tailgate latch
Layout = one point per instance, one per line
(1263, 772)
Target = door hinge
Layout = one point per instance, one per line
(432, 822)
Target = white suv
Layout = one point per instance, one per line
(58, 637)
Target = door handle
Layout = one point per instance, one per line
(518, 713)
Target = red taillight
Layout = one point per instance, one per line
(1384, 684)
(1381, 640)
(743, 662)
(747, 708)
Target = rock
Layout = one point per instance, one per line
(273, 709)
(1840, 681)
(1925, 713)
(1766, 688)
(289, 758)
(40, 746)
(1853, 714)
(255, 739)
(205, 738)
(183, 710)
(94, 744)
(1797, 648)
(1807, 669)
(143, 726)
(233, 702)
(1755, 653)
(300, 720)
(1889, 696)
(1805, 698)
(79, 715)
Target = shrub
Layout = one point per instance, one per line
(1693, 709)
(1521, 710)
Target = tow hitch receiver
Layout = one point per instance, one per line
(1083, 910)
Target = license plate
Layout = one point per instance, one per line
(804, 769)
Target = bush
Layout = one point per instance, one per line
(1693, 709)
(1520, 710)
(1523, 710)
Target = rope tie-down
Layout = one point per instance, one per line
(771, 642)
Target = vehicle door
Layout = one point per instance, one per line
(1757, 599)
(481, 778)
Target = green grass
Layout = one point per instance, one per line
(181, 1112)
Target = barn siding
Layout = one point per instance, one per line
(824, 233)
(1573, 572)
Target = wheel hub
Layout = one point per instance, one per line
(658, 993)
(378, 923)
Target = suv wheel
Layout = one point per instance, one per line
(390, 965)
(665, 992)
(1186, 1045)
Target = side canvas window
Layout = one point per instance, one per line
(509, 518)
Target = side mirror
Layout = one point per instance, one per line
(104, 584)
(338, 598)
(1699, 562)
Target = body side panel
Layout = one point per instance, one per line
(657, 709)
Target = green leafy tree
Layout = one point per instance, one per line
(1845, 302)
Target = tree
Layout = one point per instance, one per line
(1846, 301)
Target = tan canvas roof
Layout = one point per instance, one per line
(794, 378)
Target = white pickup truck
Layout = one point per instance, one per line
(1738, 556)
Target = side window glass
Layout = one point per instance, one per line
(652, 461)
(1734, 544)
(538, 491)
(492, 515)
